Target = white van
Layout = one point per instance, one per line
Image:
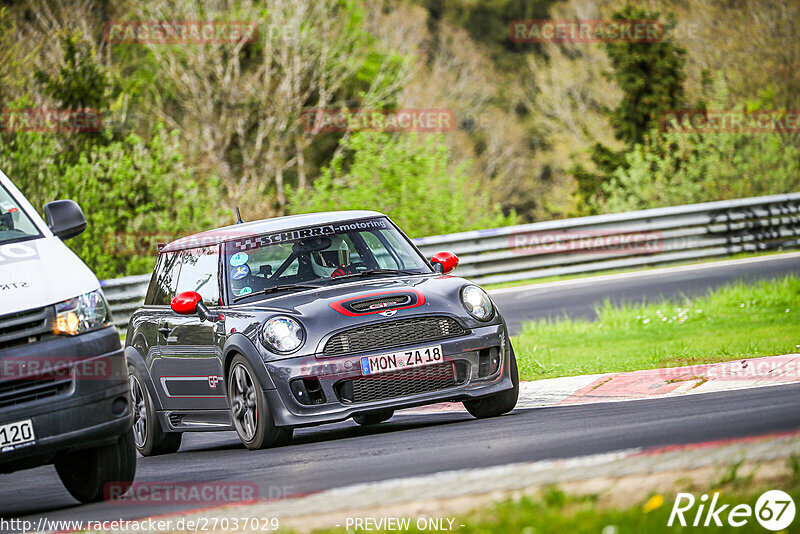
(64, 395)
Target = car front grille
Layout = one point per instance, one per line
(15, 392)
(388, 334)
(25, 327)
(397, 384)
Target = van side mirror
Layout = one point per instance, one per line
(444, 262)
(64, 218)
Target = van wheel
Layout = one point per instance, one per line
(149, 437)
(92, 473)
(250, 411)
(373, 418)
(499, 403)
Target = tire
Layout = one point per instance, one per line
(373, 418)
(498, 403)
(149, 438)
(86, 473)
(250, 413)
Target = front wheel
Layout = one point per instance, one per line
(150, 438)
(250, 412)
(499, 403)
(91, 473)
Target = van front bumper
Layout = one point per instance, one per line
(84, 403)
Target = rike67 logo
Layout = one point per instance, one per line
(774, 510)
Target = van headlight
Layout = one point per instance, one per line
(477, 303)
(282, 334)
(82, 314)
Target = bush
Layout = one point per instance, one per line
(674, 168)
(409, 178)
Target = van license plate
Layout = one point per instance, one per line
(14, 434)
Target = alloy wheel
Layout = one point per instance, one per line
(139, 411)
(243, 402)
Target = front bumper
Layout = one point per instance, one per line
(465, 352)
(91, 406)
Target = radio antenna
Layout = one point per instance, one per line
(238, 216)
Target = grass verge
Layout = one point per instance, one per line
(736, 321)
(556, 512)
(552, 510)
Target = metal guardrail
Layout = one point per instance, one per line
(587, 244)
(660, 235)
(124, 296)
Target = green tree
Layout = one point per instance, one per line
(409, 178)
(11, 58)
(651, 76)
(82, 82)
(679, 168)
(487, 22)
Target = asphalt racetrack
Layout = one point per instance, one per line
(408, 445)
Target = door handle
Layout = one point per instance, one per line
(165, 330)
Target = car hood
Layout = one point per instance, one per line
(436, 287)
(40, 273)
(322, 313)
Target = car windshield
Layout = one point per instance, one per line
(319, 255)
(15, 225)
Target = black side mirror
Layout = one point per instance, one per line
(207, 315)
(65, 218)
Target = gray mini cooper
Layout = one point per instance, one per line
(267, 326)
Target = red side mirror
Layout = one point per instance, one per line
(447, 260)
(186, 303)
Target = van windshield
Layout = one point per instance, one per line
(15, 225)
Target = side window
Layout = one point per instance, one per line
(165, 280)
(199, 273)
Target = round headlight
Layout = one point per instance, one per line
(282, 334)
(477, 303)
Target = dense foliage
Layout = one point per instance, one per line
(409, 177)
(135, 193)
(544, 130)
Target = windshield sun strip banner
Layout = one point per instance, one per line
(263, 240)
